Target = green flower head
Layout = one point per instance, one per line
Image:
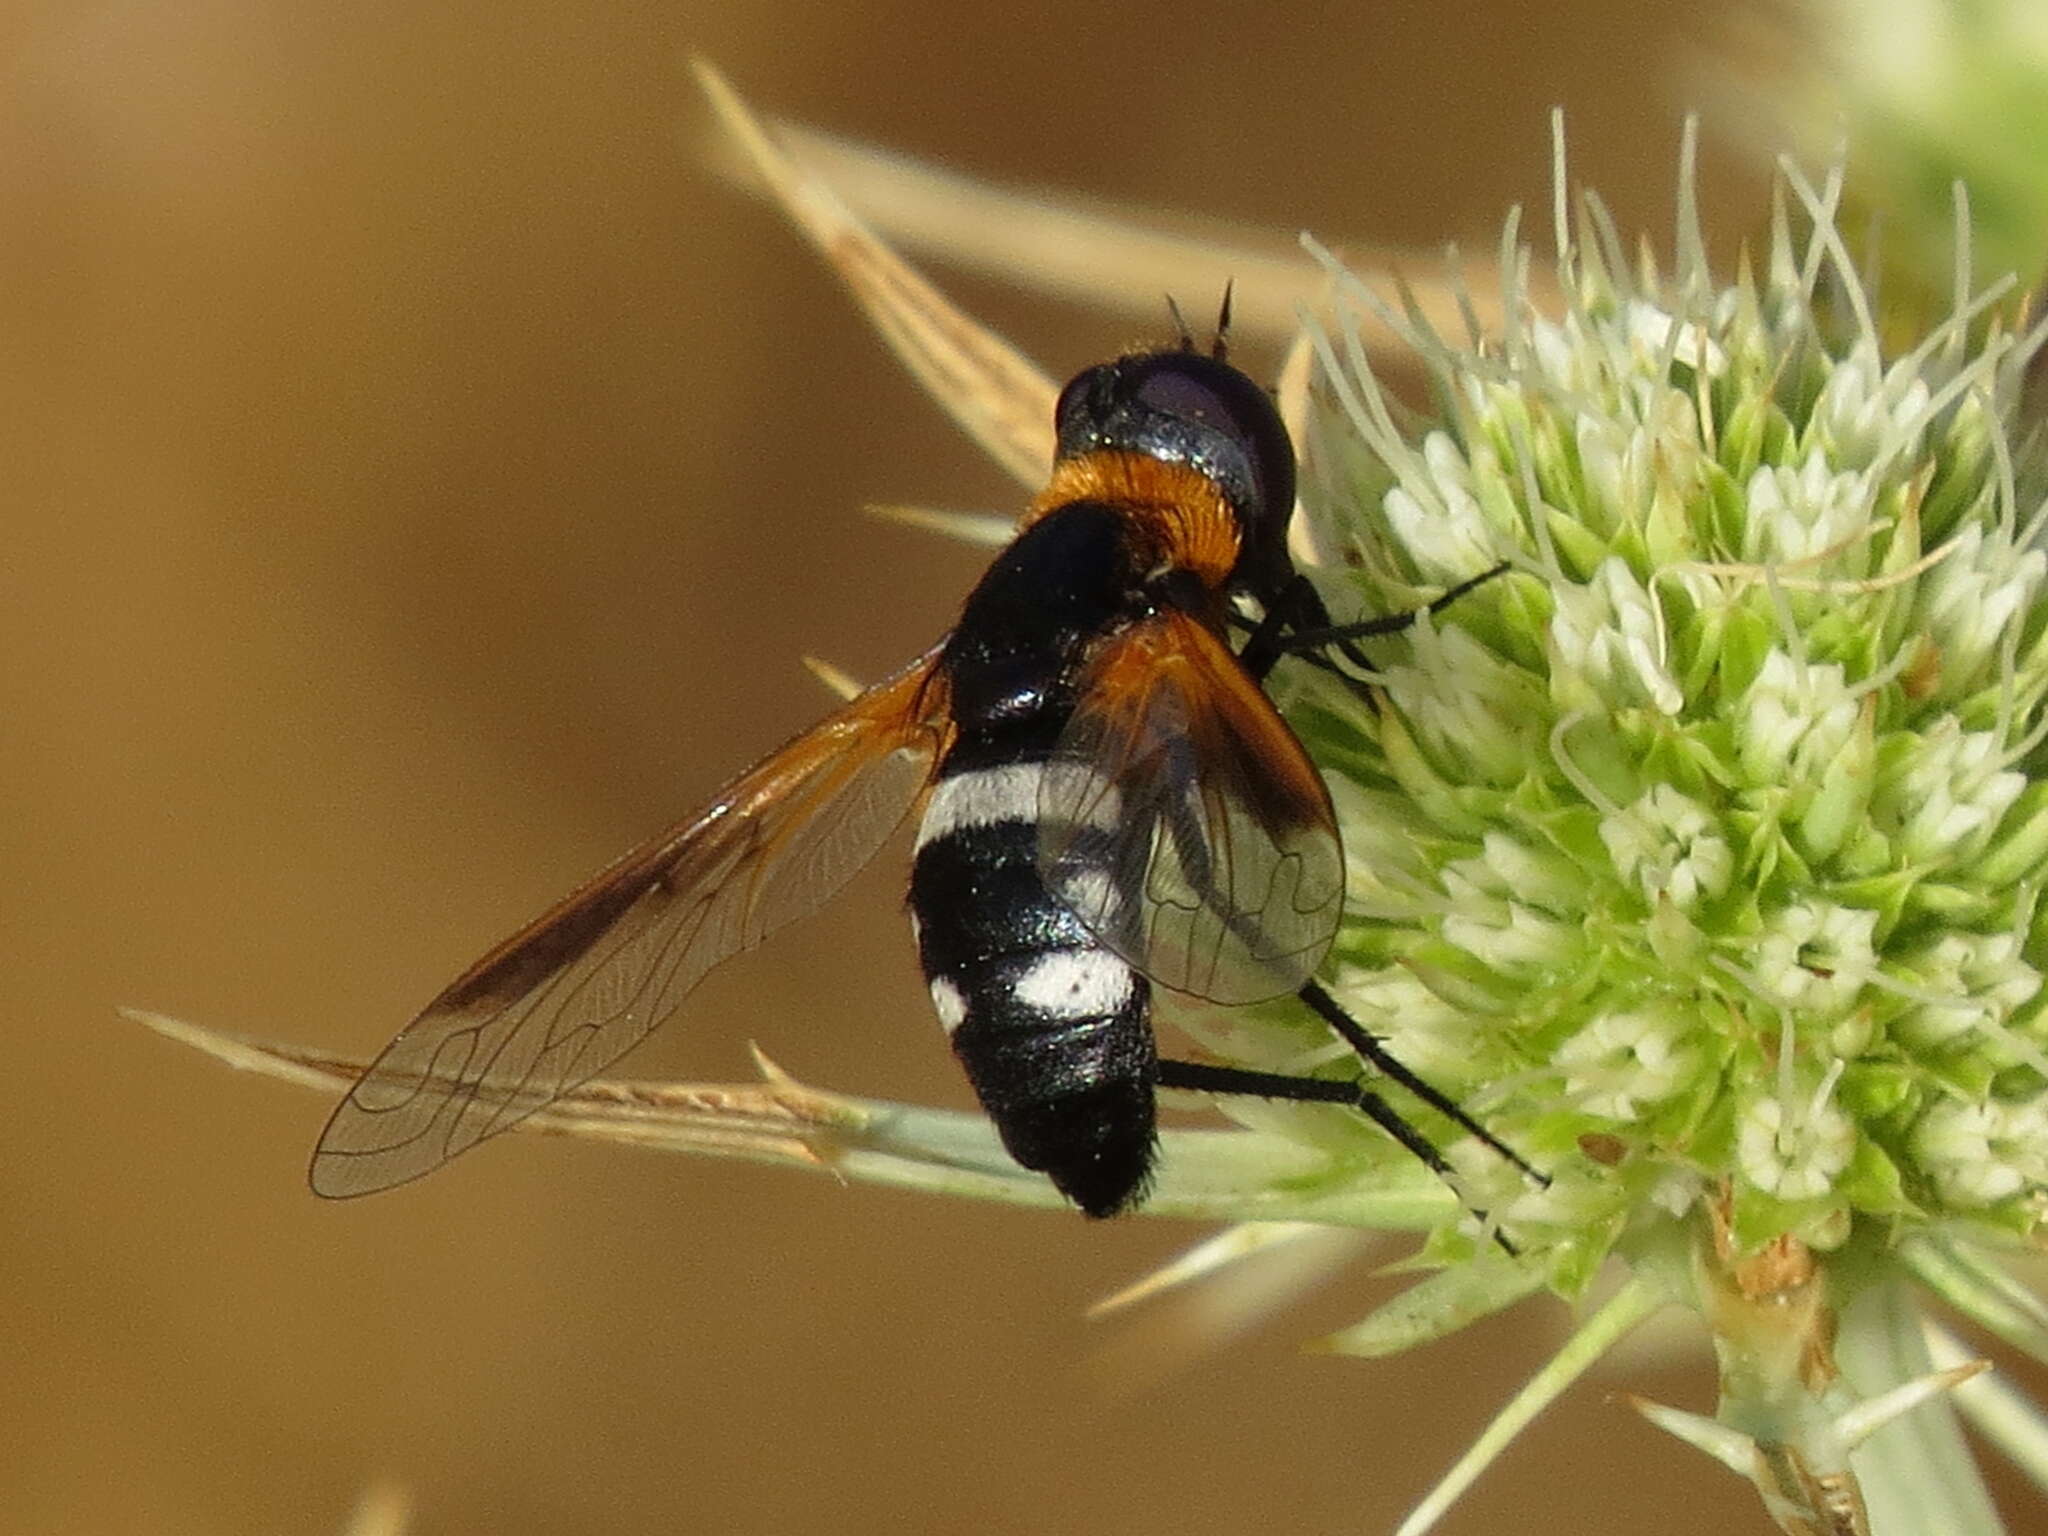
(1706, 838)
(1703, 854)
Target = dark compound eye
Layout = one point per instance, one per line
(1177, 391)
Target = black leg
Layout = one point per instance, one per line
(1368, 1046)
(1315, 638)
(1201, 1077)
(1298, 624)
(1298, 605)
(1207, 1078)
(1316, 659)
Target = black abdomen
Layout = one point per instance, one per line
(1053, 1029)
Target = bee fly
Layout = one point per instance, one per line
(1112, 804)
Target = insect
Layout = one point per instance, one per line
(1112, 805)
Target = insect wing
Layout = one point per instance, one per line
(577, 988)
(1182, 821)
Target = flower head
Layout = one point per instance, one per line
(1726, 803)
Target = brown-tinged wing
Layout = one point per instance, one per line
(585, 982)
(1182, 820)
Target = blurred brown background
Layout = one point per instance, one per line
(421, 477)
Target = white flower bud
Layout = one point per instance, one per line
(1979, 1154)
(1796, 1153)
(1624, 1061)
